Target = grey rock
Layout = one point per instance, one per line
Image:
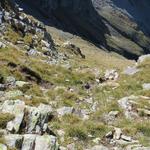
(19, 25)
(10, 80)
(2, 45)
(62, 148)
(83, 113)
(7, 17)
(143, 58)
(117, 134)
(76, 50)
(32, 52)
(14, 141)
(126, 138)
(37, 118)
(3, 147)
(17, 109)
(3, 132)
(46, 142)
(2, 87)
(111, 117)
(61, 135)
(111, 75)
(131, 70)
(71, 146)
(113, 113)
(1, 16)
(146, 86)
(28, 142)
(13, 94)
(21, 83)
(126, 105)
(45, 43)
(65, 111)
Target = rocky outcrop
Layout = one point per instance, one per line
(29, 128)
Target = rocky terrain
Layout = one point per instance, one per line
(73, 91)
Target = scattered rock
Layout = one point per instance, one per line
(61, 134)
(111, 75)
(2, 45)
(146, 86)
(117, 134)
(131, 70)
(2, 87)
(143, 58)
(126, 105)
(126, 138)
(13, 94)
(32, 52)
(82, 113)
(71, 146)
(96, 140)
(110, 117)
(46, 142)
(10, 80)
(21, 83)
(65, 111)
(76, 50)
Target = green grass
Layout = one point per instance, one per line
(4, 119)
(77, 131)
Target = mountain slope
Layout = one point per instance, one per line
(59, 91)
(121, 26)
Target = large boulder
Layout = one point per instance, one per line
(143, 58)
(37, 118)
(14, 141)
(28, 142)
(46, 142)
(16, 108)
(3, 147)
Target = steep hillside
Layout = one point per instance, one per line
(59, 91)
(121, 26)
